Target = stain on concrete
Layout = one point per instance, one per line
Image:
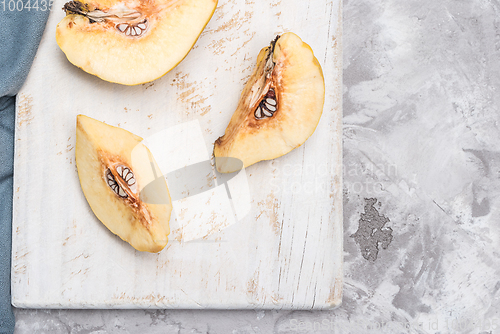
(372, 231)
(480, 209)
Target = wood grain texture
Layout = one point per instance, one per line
(285, 254)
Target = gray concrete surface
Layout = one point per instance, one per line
(421, 185)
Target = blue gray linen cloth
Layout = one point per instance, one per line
(20, 34)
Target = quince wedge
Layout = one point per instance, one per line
(279, 108)
(123, 184)
(131, 41)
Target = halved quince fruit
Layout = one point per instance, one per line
(131, 41)
(279, 107)
(123, 184)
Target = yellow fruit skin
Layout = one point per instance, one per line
(100, 49)
(301, 93)
(144, 225)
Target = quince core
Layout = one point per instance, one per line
(279, 108)
(131, 41)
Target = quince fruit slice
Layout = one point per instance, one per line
(131, 41)
(279, 107)
(123, 184)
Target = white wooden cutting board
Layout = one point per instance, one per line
(277, 243)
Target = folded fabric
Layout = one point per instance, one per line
(20, 34)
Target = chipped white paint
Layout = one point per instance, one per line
(285, 253)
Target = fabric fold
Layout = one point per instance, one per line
(20, 35)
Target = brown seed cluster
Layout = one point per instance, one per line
(268, 106)
(132, 30)
(126, 174)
